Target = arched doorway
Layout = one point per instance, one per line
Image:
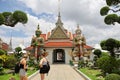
(58, 56)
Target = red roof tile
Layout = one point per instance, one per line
(58, 44)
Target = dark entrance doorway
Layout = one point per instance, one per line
(58, 56)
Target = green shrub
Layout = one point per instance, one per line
(36, 66)
(112, 77)
(107, 64)
(117, 69)
(71, 62)
(105, 54)
(10, 62)
(81, 64)
(95, 61)
(1, 69)
(118, 63)
(90, 64)
(31, 62)
(2, 52)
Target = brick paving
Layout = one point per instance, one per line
(60, 72)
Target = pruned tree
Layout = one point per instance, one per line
(18, 53)
(110, 11)
(11, 19)
(102, 44)
(97, 52)
(110, 44)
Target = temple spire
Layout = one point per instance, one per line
(10, 43)
(58, 7)
(59, 22)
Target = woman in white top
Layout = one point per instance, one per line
(43, 65)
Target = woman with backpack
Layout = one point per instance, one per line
(23, 68)
(44, 65)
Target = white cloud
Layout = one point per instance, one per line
(39, 6)
(27, 29)
(83, 12)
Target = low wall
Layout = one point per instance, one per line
(82, 74)
(34, 74)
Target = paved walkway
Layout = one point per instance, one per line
(60, 72)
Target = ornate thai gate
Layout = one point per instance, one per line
(58, 56)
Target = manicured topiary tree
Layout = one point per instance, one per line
(110, 11)
(18, 53)
(97, 52)
(2, 19)
(11, 19)
(110, 44)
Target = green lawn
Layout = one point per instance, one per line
(7, 76)
(92, 74)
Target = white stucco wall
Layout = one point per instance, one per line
(50, 56)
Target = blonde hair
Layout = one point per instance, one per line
(25, 56)
(44, 54)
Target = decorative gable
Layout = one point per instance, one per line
(58, 33)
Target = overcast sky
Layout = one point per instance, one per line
(86, 13)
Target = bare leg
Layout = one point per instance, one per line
(42, 76)
(25, 78)
(21, 78)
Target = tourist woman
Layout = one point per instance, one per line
(43, 65)
(23, 68)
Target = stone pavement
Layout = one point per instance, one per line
(60, 72)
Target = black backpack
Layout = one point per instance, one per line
(17, 68)
(48, 67)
